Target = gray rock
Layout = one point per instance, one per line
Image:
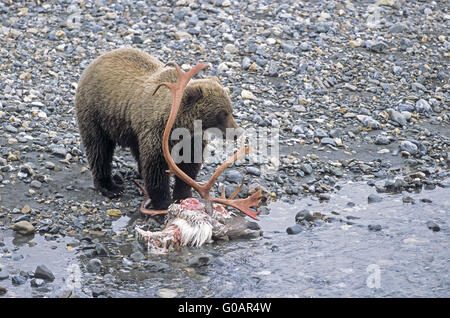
(43, 272)
(234, 176)
(126, 262)
(288, 48)
(395, 185)
(368, 121)
(305, 46)
(58, 150)
(37, 282)
(3, 276)
(422, 106)
(23, 227)
(382, 140)
(230, 48)
(396, 116)
(306, 168)
(246, 63)
(36, 184)
(397, 70)
(328, 141)
(372, 198)
(156, 267)
(137, 256)
(304, 215)
(101, 250)
(94, 265)
(253, 171)
(11, 129)
(200, 260)
(417, 87)
(335, 171)
(295, 229)
(433, 226)
(374, 228)
(398, 28)
(405, 43)
(375, 46)
(409, 147)
(18, 280)
(320, 133)
(273, 69)
(298, 130)
(323, 27)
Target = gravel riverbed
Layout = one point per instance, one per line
(358, 91)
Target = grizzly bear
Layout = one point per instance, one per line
(116, 105)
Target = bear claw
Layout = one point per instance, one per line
(111, 192)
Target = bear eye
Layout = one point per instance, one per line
(223, 115)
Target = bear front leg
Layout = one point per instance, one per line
(156, 182)
(135, 152)
(182, 190)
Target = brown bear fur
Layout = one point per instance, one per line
(115, 105)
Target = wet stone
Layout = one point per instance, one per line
(398, 28)
(18, 280)
(59, 151)
(433, 226)
(100, 250)
(253, 170)
(36, 184)
(374, 228)
(167, 293)
(306, 168)
(23, 227)
(375, 46)
(137, 256)
(43, 272)
(37, 282)
(409, 147)
(295, 229)
(156, 267)
(408, 199)
(304, 215)
(3, 276)
(200, 260)
(373, 198)
(328, 141)
(94, 265)
(234, 176)
(422, 106)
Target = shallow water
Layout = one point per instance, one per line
(29, 252)
(404, 259)
(331, 259)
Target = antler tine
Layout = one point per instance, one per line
(236, 191)
(183, 78)
(243, 205)
(177, 90)
(234, 194)
(237, 155)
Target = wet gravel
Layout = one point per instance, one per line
(358, 91)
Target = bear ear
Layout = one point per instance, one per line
(192, 95)
(214, 78)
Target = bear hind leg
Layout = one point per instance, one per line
(99, 151)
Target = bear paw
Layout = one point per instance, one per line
(111, 191)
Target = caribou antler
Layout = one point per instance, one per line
(242, 205)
